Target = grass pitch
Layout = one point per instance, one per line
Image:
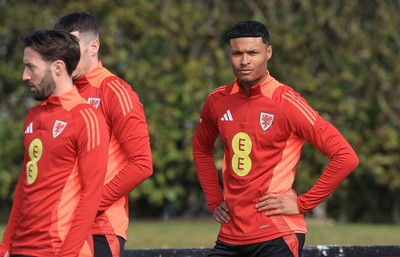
(203, 232)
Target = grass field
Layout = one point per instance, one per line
(202, 233)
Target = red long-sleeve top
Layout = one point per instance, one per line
(263, 132)
(59, 190)
(129, 160)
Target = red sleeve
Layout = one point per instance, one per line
(13, 220)
(92, 144)
(203, 154)
(125, 113)
(306, 122)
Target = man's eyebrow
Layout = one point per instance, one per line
(30, 64)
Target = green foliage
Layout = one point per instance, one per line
(340, 55)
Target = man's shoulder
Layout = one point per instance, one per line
(282, 88)
(101, 77)
(222, 91)
(112, 80)
(283, 92)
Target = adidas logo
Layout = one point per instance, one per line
(29, 129)
(227, 116)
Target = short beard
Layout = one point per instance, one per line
(45, 87)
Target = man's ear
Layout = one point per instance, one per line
(94, 47)
(58, 67)
(269, 52)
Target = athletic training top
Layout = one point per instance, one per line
(263, 132)
(129, 160)
(56, 199)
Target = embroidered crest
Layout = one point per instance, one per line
(58, 128)
(266, 120)
(94, 101)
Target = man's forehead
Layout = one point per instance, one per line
(253, 39)
(248, 42)
(31, 55)
(29, 52)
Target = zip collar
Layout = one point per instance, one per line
(267, 87)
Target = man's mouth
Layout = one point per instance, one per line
(245, 71)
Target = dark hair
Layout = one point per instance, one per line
(83, 22)
(55, 45)
(249, 28)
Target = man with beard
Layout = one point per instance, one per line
(66, 143)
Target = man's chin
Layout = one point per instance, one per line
(245, 76)
(246, 79)
(39, 98)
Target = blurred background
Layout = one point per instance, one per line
(342, 56)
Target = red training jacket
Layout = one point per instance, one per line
(57, 196)
(263, 133)
(129, 160)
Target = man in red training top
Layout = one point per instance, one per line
(66, 142)
(263, 125)
(130, 161)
